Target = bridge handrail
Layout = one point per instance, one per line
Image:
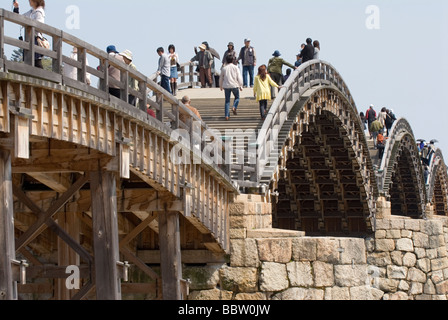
(149, 92)
(399, 128)
(436, 161)
(315, 72)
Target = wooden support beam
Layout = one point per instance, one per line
(8, 288)
(170, 255)
(105, 235)
(58, 182)
(33, 231)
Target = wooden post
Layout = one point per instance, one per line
(105, 235)
(170, 255)
(8, 288)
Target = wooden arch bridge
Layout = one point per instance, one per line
(88, 180)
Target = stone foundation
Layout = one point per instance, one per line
(405, 259)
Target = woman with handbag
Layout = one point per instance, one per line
(36, 13)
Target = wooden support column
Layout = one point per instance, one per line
(105, 235)
(170, 255)
(8, 288)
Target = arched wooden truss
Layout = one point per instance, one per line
(437, 184)
(324, 182)
(401, 173)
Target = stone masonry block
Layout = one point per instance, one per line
(275, 250)
(273, 277)
(354, 251)
(244, 253)
(328, 250)
(300, 274)
(304, 249)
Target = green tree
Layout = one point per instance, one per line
(17, 55)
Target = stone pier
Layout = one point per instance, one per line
(404, 259)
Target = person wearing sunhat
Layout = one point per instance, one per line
(230, 52)
(133, 84)
(205, 60)
(275, 67)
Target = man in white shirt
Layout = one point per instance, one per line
(231, 81)
(164, 69)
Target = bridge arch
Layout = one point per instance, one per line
(401, 173)
(437, 184)
(319, 172)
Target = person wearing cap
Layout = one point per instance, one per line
(275, 67)
(205, 60)
(164, 70)
(248, 59)
(71, 71)
(114, 73)
(133, 84)
(307, 53)
(230, 52)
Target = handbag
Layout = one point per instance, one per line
(43, 42)
(179, 68)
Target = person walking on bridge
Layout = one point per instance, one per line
(262, 89)
(133, 84)
(174, 74)
(307, 53)
(114, 73)
(275, 68)
(248, 59)
(164, 69)
(370, 117)
(36, 13)
(230, 52)
(231, 81)
(205, 60)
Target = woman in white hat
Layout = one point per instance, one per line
(205, 59)
(133, 84)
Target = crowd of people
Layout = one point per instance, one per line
(229, 79)
(379, 126)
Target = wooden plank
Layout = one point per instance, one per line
(56, 228)
(58, 182)
(21, 137)
(188, 256)
(8, 289)
(170, 255)
(142, 226)
(105, 235)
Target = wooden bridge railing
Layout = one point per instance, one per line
(310, 74)
(167, 108)
(192, 135)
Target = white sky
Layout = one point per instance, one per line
(401, 66)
